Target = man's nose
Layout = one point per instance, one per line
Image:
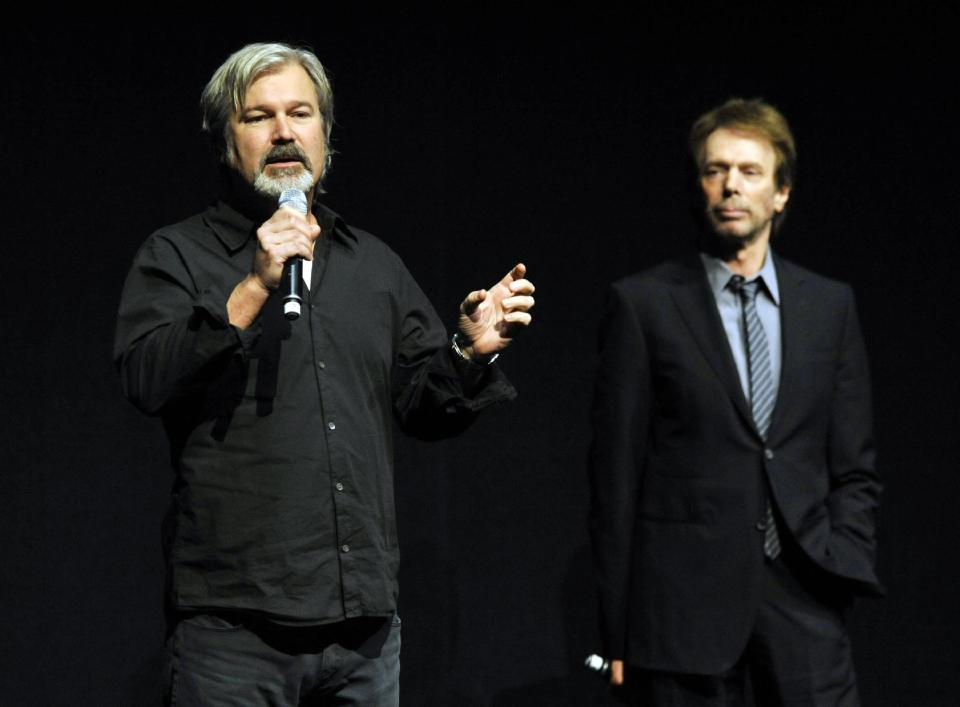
(731, 182)
(282, 130)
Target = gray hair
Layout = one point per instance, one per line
(224, 93)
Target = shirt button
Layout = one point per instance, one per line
(332, 425)
(768, 453)
(321, 364)
(345, 548)
(339, 486)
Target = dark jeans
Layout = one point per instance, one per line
(232, 659)
(798, 653)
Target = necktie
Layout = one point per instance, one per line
(761, 388)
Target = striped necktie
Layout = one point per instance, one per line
(762, 396)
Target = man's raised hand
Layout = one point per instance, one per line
(489, 319)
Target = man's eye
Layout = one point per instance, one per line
(254, 118)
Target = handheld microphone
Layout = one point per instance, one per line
(292, 271)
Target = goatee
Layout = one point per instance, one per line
(296, 177)
(274, 185)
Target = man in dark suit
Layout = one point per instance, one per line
(733, 483)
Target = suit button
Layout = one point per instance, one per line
(768, 453)
(761, 524)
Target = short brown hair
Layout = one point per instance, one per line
(752, 115)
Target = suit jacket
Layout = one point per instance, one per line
(679, 472)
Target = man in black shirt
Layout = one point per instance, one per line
(281, 535)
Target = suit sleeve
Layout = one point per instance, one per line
(621, 414)
(854, 484)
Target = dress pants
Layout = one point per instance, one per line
(798, 653)
(233, 659)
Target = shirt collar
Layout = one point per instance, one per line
(234, 228)
(719, 274)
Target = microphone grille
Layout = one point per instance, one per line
(295, 199)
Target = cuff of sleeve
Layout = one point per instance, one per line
(480, 385)
(211, 306)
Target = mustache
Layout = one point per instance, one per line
(287, 152)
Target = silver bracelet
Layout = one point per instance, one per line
(453, 343)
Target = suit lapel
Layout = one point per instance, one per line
(795, 319)
(698, 309)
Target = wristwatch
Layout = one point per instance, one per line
(454, 342)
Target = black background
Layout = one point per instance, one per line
(468, 141)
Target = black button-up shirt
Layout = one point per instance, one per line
(281, 434)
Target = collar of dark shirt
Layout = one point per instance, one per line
(234, 228)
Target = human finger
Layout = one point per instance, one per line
(288, 244)
(520, 302)
(518, 318)
(616, 672)
(519, 270)
(516, 273)
(472, 301)
(286, 219)
(522, 286)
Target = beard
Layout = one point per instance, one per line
(297, 177)
(274, 184)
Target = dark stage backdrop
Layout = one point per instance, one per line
(468, 142)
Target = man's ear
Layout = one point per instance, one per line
(781, 198)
